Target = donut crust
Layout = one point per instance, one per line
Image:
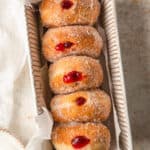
(85, 39)
(83, 12)
(96, 108)
(90, 68)
(98, 134)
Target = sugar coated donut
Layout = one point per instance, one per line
(82, 106)
(88, 136)
(75, 73)
(69, 12)
(71, 40)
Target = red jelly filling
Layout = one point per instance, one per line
(62, 46)
(80, 101)
(66, 4)
(72, 76)
(80, 141)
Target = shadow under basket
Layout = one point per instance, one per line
(118, 122)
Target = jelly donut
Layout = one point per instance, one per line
(74, 73)
(88, 136)
(82, 106)
(70, 40)
(69, 12)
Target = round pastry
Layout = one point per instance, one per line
(69, 40)
(88, 136)
(82, 106)
(75, 73)
(69, 12)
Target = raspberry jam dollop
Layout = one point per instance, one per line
(80, 141)
(80, 101)
(66, 4)
(72, 76)
(63, 46)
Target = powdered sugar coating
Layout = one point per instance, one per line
(96, 108)
(83, 12)
(86, 41)
(98, 134)
(90, 68)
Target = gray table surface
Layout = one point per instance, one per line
(134, 31)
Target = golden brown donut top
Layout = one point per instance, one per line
(93, 105)
(95, 132)
(80, 12)
(71, 40)
(89, 71)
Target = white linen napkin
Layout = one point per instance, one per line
(18, 110)
(12, 54)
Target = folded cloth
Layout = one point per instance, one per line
(13, 50)
(17, 97)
